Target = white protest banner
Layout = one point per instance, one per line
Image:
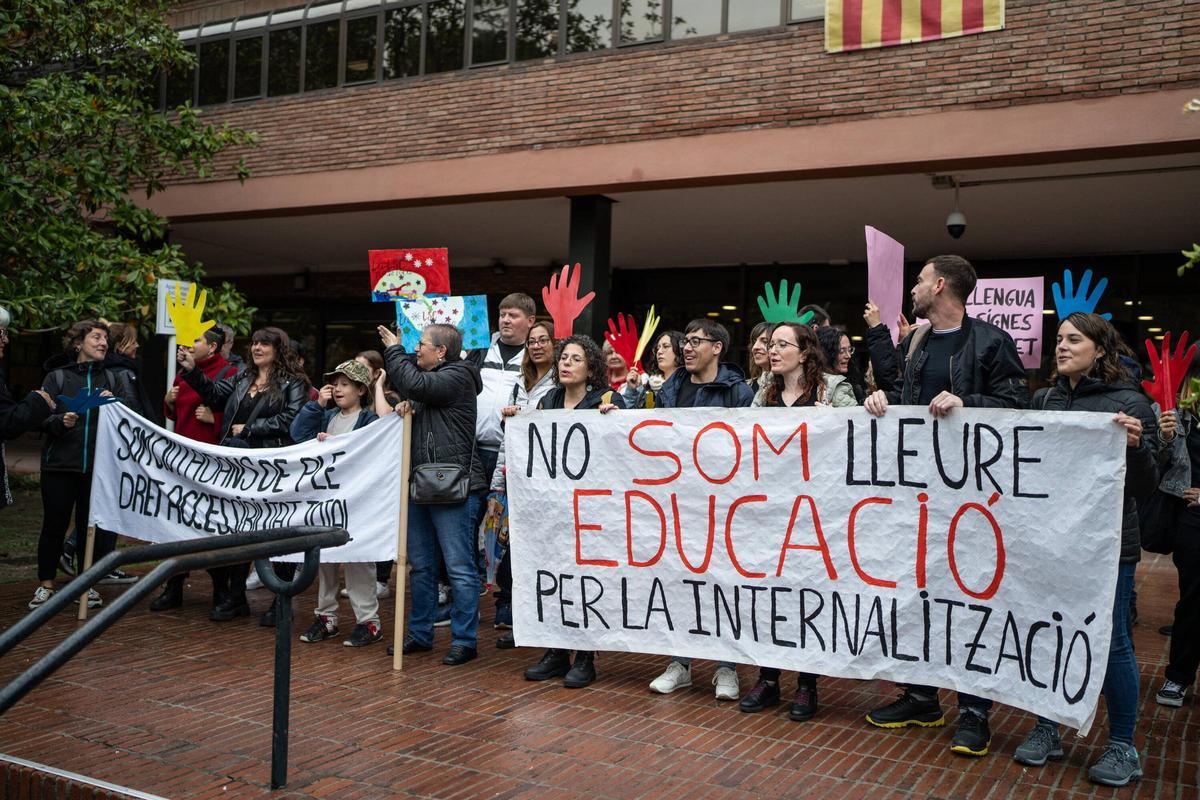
(977, 552)
(154, 485)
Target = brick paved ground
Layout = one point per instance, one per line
(174, 705)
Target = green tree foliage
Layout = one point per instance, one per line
(80, 140)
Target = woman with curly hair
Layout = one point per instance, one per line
(259, 403)
(581, 382)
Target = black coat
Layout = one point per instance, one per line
(444, 409)
(15, 419)
(127, 368)
(555, 397)
(986, 373)
(272, 427)
(73, 449)
(1141, 468)
(884, 357)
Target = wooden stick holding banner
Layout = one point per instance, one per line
(402, 543)
(89, 549)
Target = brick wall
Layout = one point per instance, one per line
(1050, 51)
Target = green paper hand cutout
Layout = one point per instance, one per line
(781, 308)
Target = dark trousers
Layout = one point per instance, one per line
(504, 580)
(772, 674)
(383, 571)
(964, 700)
(230, 582)
(62, 494)
(1185, 638)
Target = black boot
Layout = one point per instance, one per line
(554, 664)
(583, 671)
(171, 597)
(230, 607)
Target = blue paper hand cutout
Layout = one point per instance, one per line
(85, 401)
(1067, 300)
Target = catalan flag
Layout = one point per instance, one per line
(859, 24)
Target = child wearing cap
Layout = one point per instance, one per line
(341, 407)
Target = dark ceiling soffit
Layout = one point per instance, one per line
(874, 170)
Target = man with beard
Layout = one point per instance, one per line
(952, 361)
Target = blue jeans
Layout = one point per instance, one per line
(1121, 684)
(446, 528)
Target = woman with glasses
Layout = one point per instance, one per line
(665, 356)
(839, 356)
(798, 378)
(537, 378)
(580, 383)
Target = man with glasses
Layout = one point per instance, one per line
(16, 418)
(703, 381)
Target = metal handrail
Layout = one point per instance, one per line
(177, 557)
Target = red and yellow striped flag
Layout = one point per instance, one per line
(859, 24)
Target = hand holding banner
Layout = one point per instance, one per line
(562, 300)
(1168, 370)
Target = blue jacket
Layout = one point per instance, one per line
(313, 419)
(728, 390)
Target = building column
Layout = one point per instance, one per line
(591, 246)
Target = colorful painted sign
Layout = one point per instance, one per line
(408, 273)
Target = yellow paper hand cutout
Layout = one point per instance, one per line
(185, 314)
(648, 329)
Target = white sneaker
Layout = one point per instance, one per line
(676, 677)
(253, 581)
(40, 595)
(726, 681)
(94, 600)
(382, 590)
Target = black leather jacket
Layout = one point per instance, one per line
(1141, 464)
(986, 373)
(444, 409)
(272, 427)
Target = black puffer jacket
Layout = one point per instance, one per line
(884, 357)
(444, 409)
(1141, 468)
(73, 449)
(15, 419)
(985, 373)
(593, 399)
(127, 368)
(272, 427)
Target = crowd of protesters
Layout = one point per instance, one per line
(460, 401)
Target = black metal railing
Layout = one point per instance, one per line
(177, 557)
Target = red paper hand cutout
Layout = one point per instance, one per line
(562, 300)
(1168, 370)
(624, 339)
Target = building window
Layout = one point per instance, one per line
(444, 37)
(537, 29)
(402, 42)
(283, 62)
(589, 25)
(695, 18)
(180, 84)
(321, 54)
(360, 49)
(641, 20)
(489, 31)
(247, 68)
(808, 9)
(214, 72)
(745, 15)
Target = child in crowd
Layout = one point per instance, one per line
(341, 407)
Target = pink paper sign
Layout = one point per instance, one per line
(885, 277)
(1013, 305)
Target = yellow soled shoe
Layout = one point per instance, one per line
(908, 710)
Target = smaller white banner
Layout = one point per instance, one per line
(151, 484)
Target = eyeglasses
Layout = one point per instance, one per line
(779, 344)
(541, 341)
(570, 358)
(846, 351)
(694, 341)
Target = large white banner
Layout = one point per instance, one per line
(977, 552)
(151, 484)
